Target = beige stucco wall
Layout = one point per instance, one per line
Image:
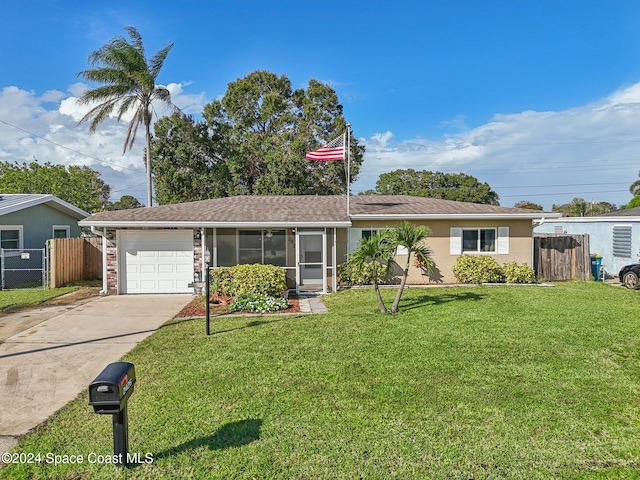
(520, 245)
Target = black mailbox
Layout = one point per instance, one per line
(110, 390)
(109, 393)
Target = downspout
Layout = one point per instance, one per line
(95, 231)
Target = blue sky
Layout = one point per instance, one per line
(541, 99)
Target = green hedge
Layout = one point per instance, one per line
(514, 273)
(485, 269)
(242, 280)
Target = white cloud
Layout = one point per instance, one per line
(32, 129)
(540, 156)
(625, 96)
(589, 151)
(46, 128)
(189, 103)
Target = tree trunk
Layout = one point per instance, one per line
(405, 274)
(383, 307)
(149, 178)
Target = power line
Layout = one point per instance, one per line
(70, 149)
(564, 185)
(525, 195)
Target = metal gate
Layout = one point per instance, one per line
(23, 268)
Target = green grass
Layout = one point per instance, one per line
(29, 297)
(483, 383)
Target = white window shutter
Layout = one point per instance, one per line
(455, 241)
(354, 238)
(503, 240)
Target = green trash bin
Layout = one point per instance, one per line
(596, 263)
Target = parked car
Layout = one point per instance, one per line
(629, 276)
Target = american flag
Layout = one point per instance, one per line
(334, 150)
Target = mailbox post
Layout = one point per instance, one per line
(207, 293)
(109, 394)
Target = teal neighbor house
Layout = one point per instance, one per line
(27, 221)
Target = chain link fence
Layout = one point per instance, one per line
(23, 268)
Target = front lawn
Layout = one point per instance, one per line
(29, 297)
(484, 382)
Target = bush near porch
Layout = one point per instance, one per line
(243, 280)
(484, 269)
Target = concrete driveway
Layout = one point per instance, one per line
(45, 366)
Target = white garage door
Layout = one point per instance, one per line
(156, 261)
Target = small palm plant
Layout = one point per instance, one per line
(412, 238)
(376, 251)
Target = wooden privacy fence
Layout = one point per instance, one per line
(561, 257)
(74, 259)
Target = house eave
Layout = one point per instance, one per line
(608, 219)
(164, 224)
(457, 216)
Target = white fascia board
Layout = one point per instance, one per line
(54, 202)
(70, 208)
(115, 224)
(458, 216)
(26, 203)
(620, 219)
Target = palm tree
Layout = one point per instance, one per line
(412, 238)
(378, 252)
(128, 82)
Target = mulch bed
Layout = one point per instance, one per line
(196, 309)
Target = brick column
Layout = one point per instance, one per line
(198, 235)
(112, 262)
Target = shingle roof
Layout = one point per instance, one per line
(299, 209)
(407, 205)
(627, 212)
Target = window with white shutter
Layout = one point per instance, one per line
(503, 240)
(455, 241)
(479, 240)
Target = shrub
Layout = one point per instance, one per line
(351, 274)
(256, 278)
(258, 302)
(245, 280)
(221, 281)
(477, 269)
(514, 273)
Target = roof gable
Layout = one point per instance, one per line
(14, 202)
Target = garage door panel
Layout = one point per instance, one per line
(132, 268)
(157, 261)
(165, 284)
(166, 269)
(147, 284)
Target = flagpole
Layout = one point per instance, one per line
(348, 147)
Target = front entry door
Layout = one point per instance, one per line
(311, 261)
